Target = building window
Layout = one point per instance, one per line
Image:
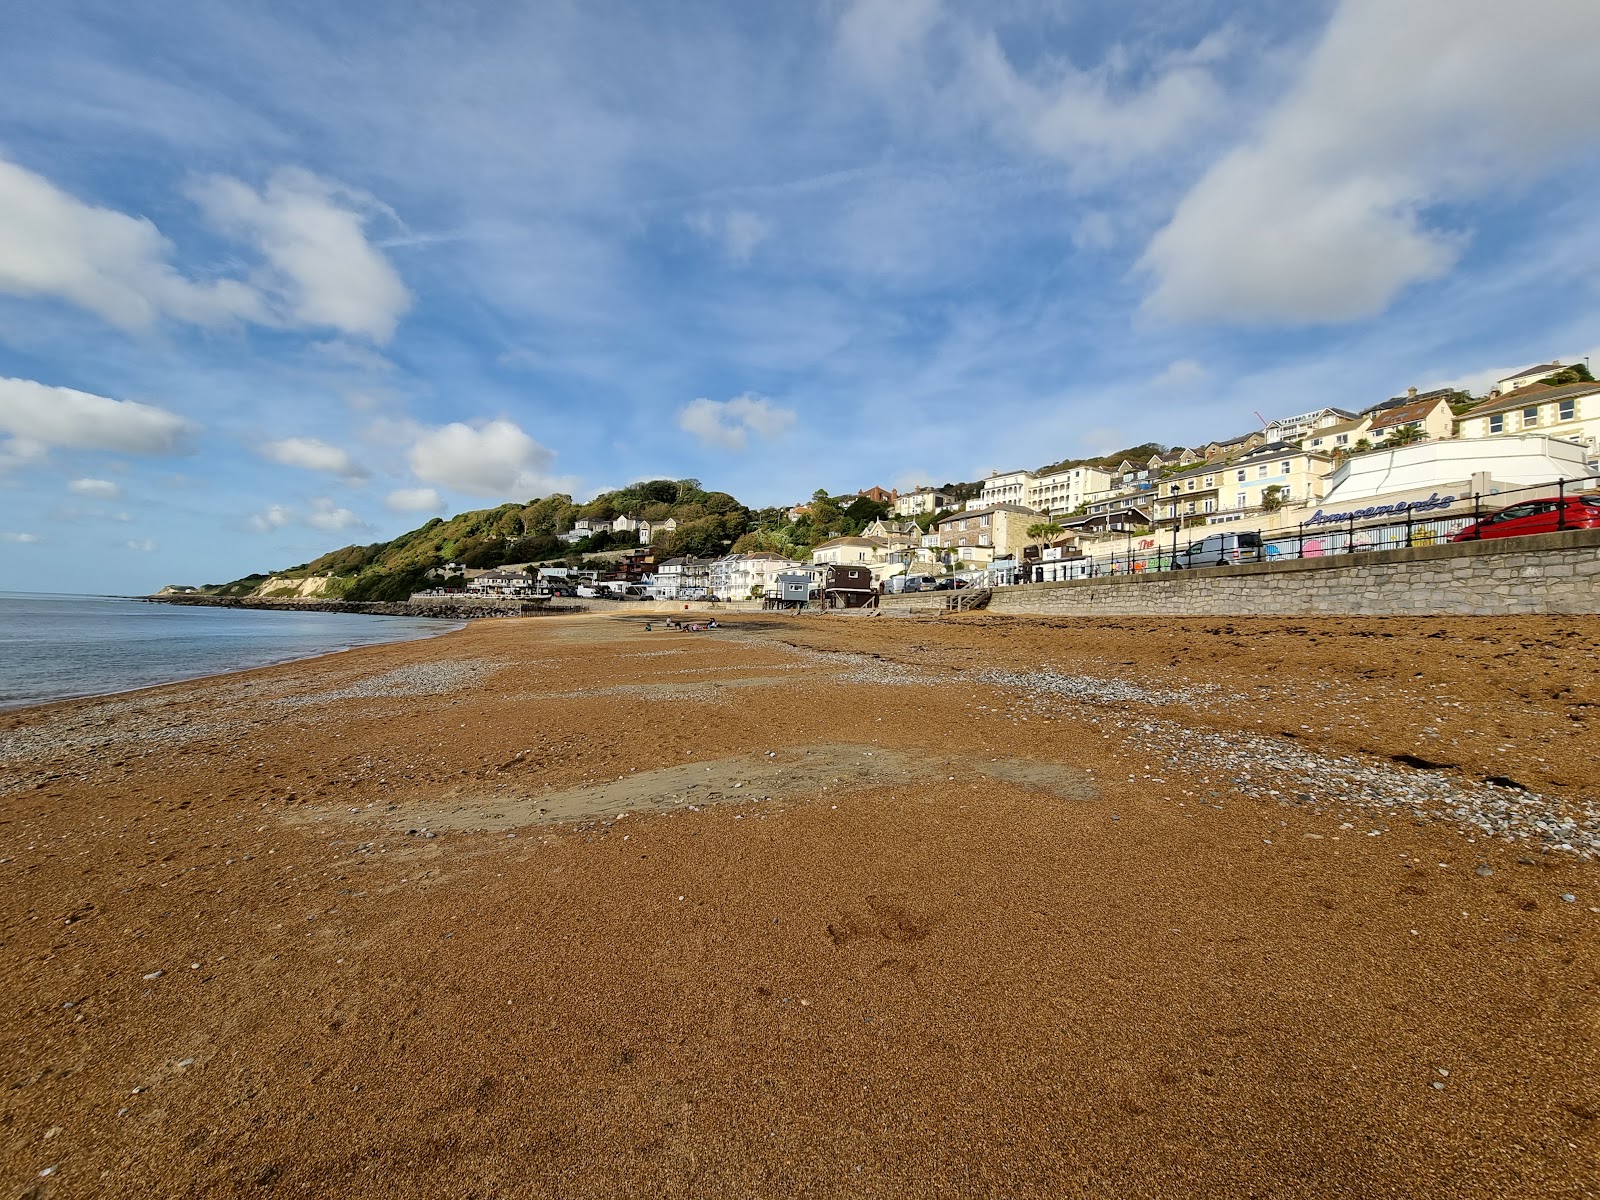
(1240, 476)
(1191, 485)
(1243, 501)
(1530, 416)
(1497, 423)
(1261, 471)
(1211, 480)
(1343, 439)
(1569, 410)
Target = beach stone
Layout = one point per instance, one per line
(1483, 872)
(1569, 897)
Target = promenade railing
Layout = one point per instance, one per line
(1427, 522)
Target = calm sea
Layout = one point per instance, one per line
(55, 647)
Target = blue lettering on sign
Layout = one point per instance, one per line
(1382, 510)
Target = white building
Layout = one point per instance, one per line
(1005, 487)
(651, 531)
(1302, 425)
(1528, 375)
(502, 582)
(682, 579)
(746, 576)
(923, 500)
(1456, 468)
(1060, 492)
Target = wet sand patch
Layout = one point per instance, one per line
(808, 772)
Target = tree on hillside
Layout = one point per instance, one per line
(1272, 498)
(1405, 435)
(1576, 373)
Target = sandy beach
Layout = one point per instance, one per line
(829, 906)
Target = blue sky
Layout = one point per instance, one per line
(279, 277)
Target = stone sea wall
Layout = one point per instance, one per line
(1557, 573)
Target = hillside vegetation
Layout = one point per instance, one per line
(709, 524)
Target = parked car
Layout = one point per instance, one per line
(1222, 549)
(1549, 515)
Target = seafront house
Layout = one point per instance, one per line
(1303, 425)
(652, 531)
(1425, 419)
(850, 551)
(683, 579)
(923, 500)
(1571, 411)
(1225, 492)
(1339, 438)
(879, 495)
(624, 525)
(1528, 375)
(1057, 493)
(502, 582)
(895, 534)
(1005, 487)
(981, 534)
(747, 576)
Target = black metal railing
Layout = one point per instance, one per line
(1375, 527)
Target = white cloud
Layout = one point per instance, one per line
(882, 38)
(102, 489)
(275, 516)
(1323, 214)
(312, 454)
(1181, 372)
(325, 514)
(115, 265)
(408, 500)
(738, 232)
(143, 545)
(21, 539)
(730, 423)
(312, 233)
(495, 458)
(1091, 119)
(58, 416)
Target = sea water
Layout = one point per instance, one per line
(54, 647)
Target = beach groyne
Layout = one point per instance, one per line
(448, 608)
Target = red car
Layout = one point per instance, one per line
(1536, 516)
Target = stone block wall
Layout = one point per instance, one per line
(1556, 573)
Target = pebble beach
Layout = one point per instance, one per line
(827, 906)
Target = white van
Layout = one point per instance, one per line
(1222, 550)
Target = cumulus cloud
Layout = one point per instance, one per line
(1180, 372)
(102, 489)
(738, 232)
(493, 458)
(730, 423)
(275, 516)
(881, 38)
(319, 268)
(312, 454)
(325, 514)
(311, 232)
(20, 539)
(1323, 214)
(409, 500)
(114, 265)
(43, 415)
(143, 545)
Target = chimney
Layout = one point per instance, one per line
(1411, 393)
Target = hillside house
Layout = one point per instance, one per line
(1571, 411)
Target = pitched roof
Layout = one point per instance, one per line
(1534, 393)
(1341, 427)
(1404, 414)
(987, 508)
(1549, 368)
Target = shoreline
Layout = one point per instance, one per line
(466, 609)
(8, 709)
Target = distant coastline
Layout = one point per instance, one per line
(444, 609)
